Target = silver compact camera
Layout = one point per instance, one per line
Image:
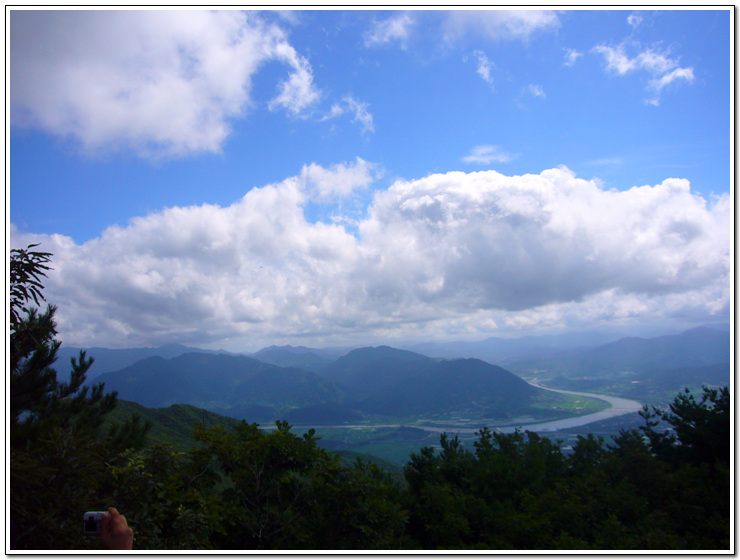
(92, 523)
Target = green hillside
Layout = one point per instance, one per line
(174, 423)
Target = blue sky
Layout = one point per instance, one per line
(394, 174)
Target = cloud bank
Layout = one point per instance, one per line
(162, 83)
(447, 254)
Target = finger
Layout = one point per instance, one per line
(114, 515)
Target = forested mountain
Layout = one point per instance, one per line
(433, 386)
(230, 385)
(379, 382)
(365, 371)
(701, 346)
(173, 424)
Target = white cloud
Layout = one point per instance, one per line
(571, 55)
(358, 109)
(664, 70)
(486, 154)
(484, 66)
(298, 91)
(616, 60)
(448, 253)
(157, 82)
(394, 29)
(634, 20)
(657, 84)
(536, 90)
(499, 24)
(339, 181)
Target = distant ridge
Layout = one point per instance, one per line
(111, 359)
(224, 384)
(310, 359)
(701, 346)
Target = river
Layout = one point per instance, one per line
(618, 407)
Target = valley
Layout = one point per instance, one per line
(389, 402)
(395, 442)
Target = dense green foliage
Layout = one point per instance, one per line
(663, 486)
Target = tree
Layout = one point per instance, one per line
(26, 269)
(37, 397)
(700, 431)
(282, 491)
(56, 452)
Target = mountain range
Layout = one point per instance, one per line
(324, 386)
(701, 346)
(236, 386)
(382, 382)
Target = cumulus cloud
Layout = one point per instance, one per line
(499, 24)
(158, 82)
(447, 253)
(486, 154)
(663, 69)
(394, 29)
(338, 181)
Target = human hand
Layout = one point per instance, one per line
(115, 533)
